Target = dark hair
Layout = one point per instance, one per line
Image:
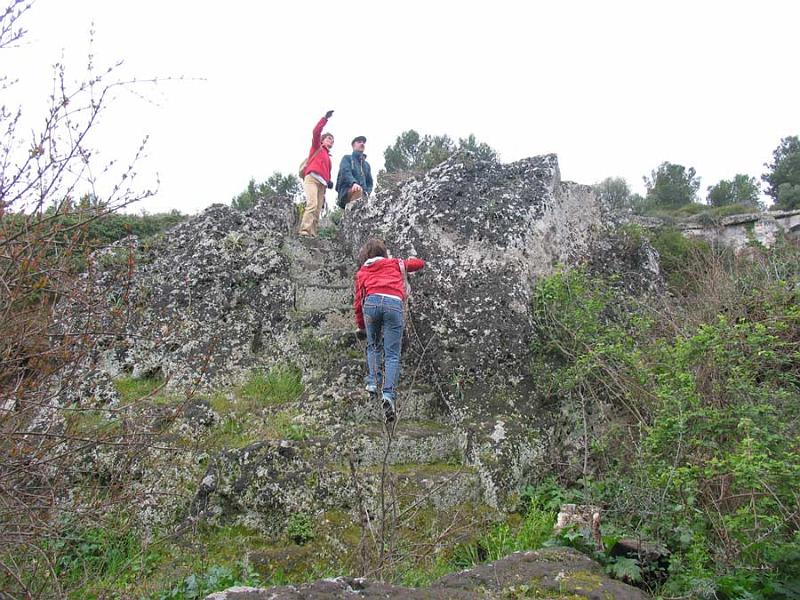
(327, 134)
(372, 248)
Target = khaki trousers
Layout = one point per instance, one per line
(315, 200)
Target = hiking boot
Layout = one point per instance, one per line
(388, 410)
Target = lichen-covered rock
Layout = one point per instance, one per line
(263, 484)
(488, 232)
(226, 292)
(550, 573)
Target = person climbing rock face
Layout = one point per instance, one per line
(355, 175)
(317, 176)
(380, 290)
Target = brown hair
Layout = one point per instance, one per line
(327, 134)
(372, 248)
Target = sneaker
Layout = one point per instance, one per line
(388, 409)
(372, 391)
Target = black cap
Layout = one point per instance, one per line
(360, 138)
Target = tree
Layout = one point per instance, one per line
(482, 150)
(740, 190)
(671, 185)
(788, 196)
(412, 152)
(614, 192)
(277, 185)
(783, 177)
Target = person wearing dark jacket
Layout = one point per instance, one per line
(355, 175)
(317, 176)
(379, 294)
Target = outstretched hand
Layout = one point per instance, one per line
(329, 114)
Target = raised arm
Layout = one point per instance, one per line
(316, 135)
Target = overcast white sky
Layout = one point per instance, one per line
(614, 88)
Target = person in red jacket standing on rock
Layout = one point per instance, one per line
(317, 176)
(380, 289)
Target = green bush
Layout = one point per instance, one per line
(300, 528)
(507, 537)
(587, 340)
(214, 579)
(93, 553)
(677, 256)
(84, 561)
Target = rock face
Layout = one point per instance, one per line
(226, 292)
(488, 232)
(204, 299)
(550, 573)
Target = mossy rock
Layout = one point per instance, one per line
(293, 561)
(562, 571)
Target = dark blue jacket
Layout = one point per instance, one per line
(354, 169)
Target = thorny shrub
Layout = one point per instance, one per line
(54, 191)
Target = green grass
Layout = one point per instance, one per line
(112, 560)
(216, 557)
(286, 426)
(130, 388)
(234, 432)
(243, 419)
(84, 423)
(516, 533)
(239, 426)
(281, 385)
(88, 560)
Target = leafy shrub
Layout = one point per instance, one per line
(588, 342)
(677, 256)
(337, 215)
(328, 233)
(300, 528)
(548, 495)
(713, 465)
(504, 538)
(86, 560)
(93, 553)
(287, 427)
(214, 579)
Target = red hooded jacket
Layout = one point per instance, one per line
(319, 163)
(381, 275)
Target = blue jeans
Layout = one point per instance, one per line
(384, 320)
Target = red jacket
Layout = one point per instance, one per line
(381, 276)
(321, 162)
